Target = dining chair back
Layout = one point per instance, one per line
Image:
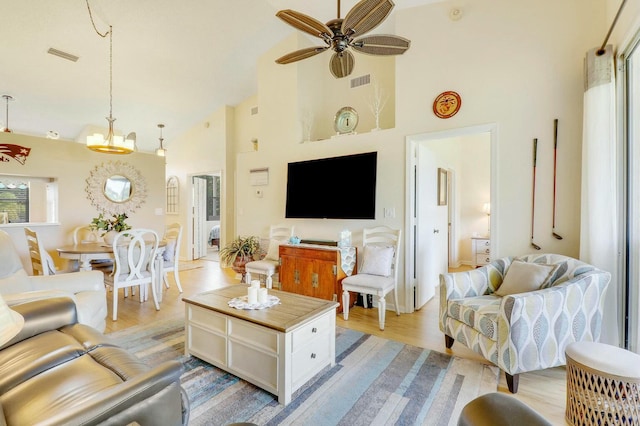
(171, 254)
(41, 261)
(86, 234)
(134, 253)
(378, 272)
(268, 265)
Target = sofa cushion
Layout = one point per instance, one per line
(523, 277)
(479, 313)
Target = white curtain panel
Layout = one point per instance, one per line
(599, 227)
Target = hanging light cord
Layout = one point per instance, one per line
(103, 35)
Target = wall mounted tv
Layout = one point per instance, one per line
(333, 188)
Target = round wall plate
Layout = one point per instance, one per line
(346, 120)
(447, 104)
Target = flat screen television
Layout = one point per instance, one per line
(332, 188)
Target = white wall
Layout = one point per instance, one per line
(71, 164)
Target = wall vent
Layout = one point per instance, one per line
(360, 81)
(61, 54)
(254, 110)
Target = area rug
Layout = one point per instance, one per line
(374, 382)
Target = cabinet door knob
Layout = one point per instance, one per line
(314, 330)
(436, 231)
(313, 356)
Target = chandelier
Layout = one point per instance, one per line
(112, 143)
(161, 152)
(7, 98)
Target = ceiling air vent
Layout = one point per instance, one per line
(360, 81)
(63, 55)
(254, 110)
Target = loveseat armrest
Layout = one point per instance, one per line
(154, 397)
(73, 282)
(43, 315)
(548, 320)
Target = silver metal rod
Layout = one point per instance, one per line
(613, 24)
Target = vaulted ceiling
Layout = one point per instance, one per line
(174, 61)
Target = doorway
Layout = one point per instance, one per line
(440, 226)
(206, 211)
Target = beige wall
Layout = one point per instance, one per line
(71, 164)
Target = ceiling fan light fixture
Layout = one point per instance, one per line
(7, 98)
(338, 35)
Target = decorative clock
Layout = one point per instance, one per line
(447, 104)
(346, 120)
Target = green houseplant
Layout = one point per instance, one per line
(110, 226)
(238, 252)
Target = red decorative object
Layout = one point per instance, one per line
(17, 152)
(447, 104)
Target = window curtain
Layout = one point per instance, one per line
(599, 222)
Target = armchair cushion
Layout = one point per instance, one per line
(377, 260)
(480, 313)
(522, 277)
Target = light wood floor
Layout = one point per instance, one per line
(543, 390)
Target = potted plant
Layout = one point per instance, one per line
(110, 226)
(238, 252)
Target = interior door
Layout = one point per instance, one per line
(199, 217)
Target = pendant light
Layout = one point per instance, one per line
(110, 144)
(7, 98)
(161, 152)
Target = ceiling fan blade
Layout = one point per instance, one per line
(305, 23)
(300, 54)
(381, 44)
(365, 16)
(341, 64)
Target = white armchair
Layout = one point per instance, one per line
(86, 289)
(498, 311)
(268, 266)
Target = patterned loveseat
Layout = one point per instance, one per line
(525, 331)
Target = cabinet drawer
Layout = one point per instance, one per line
(309, 253)
(207, 319)
(482, 245)
(482, 259)
(252, 335)
(310, 331)
(207, 345)
(309, 359)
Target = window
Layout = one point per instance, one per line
(173, 193)
(28, 199)
(14, 202)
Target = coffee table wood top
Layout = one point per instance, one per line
(293, 310)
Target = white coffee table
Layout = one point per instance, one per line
(278, 349)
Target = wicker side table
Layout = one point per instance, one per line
(603, 385)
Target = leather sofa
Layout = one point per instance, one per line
(58, 372)
(86, 289)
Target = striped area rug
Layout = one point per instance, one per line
(374, 382)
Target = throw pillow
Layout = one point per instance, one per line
(522, 277)
(273, 253)
(377, 260)
(169, 251)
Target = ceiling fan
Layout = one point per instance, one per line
(339, 34)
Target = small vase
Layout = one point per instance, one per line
(109, 237)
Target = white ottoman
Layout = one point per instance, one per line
(603, 385)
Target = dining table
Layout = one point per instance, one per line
(85, 252)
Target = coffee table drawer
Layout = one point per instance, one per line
(311, 331)
(252, 335)
(207, 319)
(308, 360)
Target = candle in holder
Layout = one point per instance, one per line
(252, 298)
(255, 283)
(263, 295)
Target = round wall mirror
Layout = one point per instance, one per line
(116, 188)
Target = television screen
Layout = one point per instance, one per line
(333, 188)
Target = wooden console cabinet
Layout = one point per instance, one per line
(313, 270)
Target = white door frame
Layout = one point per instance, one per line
(411, 223)
(190, 215)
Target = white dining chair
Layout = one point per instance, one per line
(378, 272)
(278, 234)
(86, 234)
(41, 261)
(134, 253)
(171, 254)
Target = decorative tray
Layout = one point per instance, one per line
(242, 303)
